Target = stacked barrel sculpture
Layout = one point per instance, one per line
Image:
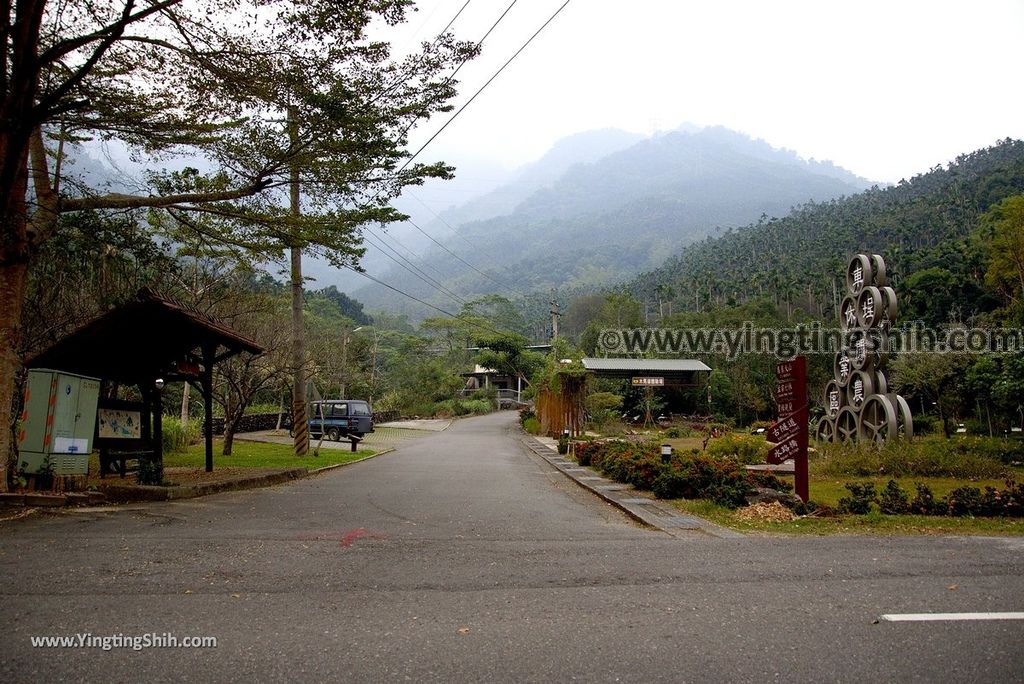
(858, 404)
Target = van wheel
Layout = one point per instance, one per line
(333, 434)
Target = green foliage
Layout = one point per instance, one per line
(1003, 225)
(924, 501)
(176, 437)
(532, 425)
(508, 354)
(455, 407)
(861, 497)
(603, 408)
(893, 500)
(961, 457)
(962, 501)
(693, 476)
(925, 222)
(150, 472)
(747, 449)
(345, 306)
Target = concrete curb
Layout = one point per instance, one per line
(143, 493)
(317, 471)
(140, 493)
(651, 512)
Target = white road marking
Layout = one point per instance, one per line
(935, 617)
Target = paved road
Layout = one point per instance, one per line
(461, 556)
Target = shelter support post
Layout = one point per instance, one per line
(207, 382)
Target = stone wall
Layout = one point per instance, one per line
(268, 421)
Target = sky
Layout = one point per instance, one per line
(884, 89)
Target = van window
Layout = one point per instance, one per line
(339, 410)
(360, 408)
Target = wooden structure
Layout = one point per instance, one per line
(672, 372)
(147, 342)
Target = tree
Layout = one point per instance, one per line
(217, 80)
(241, 378)
(935, 376)
(508, 354)
(1005, 224)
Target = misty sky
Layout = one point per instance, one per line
(884, 89)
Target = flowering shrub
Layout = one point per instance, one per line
(962, 501)
(723, 480)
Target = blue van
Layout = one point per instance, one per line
(342, 419)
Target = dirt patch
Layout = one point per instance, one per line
(766, 512)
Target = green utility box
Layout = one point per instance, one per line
(57, 423)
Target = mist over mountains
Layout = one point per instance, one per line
(604, 205)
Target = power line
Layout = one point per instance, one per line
(460, 236)
(412, 268)
(460, 110)
(455, 115)
(456, 256)
(481, 89)
(427, 304)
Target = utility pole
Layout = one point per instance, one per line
(554, 315)
(300, 422)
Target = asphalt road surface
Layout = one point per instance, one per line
(462, 557)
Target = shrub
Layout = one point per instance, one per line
(924, 501)
(861, 497)
(532, 425)
(150, 472)
(926, 425)
(693, 476)
(477, 407)
(603, 407)
(525, 414)
(965, 501)
(893, 500)
(747, 449)
(454, 407)
(176, 437)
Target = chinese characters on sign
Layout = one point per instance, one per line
(648, 382)
(789, 433)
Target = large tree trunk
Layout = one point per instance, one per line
(229, 435)
(300, 425)
(13, 281)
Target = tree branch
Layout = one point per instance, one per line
(68, 46)
(121, 201)
(44, 221)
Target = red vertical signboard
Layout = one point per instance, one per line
(790, 432)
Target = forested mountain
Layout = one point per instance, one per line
(581, 148)
(625, 212)
(925, 227)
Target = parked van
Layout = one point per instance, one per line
(342, 419)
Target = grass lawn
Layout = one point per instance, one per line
(261, 455)
(685, 444)
(247, 455)
(828, 490)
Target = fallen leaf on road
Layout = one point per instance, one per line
(463, 630)
(953, 587)
(188, 591)
(236, 596)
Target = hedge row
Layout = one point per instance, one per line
(693, 475)
(962, 501)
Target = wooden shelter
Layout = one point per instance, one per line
(148, 339)
(649, 372)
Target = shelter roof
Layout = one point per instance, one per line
(142, 340)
